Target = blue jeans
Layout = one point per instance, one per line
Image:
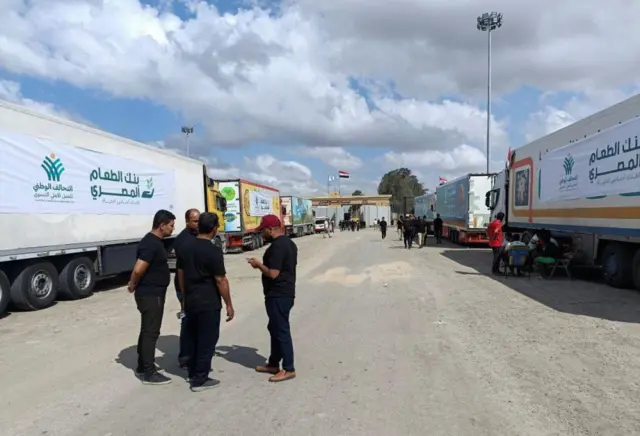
(278, 310)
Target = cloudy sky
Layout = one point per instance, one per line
(287, 93)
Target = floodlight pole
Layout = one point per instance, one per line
(187, 130)
(489, 22)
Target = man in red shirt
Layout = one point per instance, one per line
(494, 232)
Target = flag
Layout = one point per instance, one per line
(443, 180)
(343, 174)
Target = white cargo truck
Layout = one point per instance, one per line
(75, 201)
(582, 183)
(461, 205)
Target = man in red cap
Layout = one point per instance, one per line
(278, 268)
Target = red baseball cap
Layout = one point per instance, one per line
(268, 222)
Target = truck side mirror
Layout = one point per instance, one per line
(223, 204)
(487, 200)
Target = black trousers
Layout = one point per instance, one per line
(278, 310)
(203, 332)
(438, 233)
(184, 353)
(384, 232)
(151, 312)
(497, 256)
(408, 238)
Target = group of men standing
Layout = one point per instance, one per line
(415, 229)
(202, 285)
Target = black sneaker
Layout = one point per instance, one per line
(140, 371)
(156, 379)
(208, 384)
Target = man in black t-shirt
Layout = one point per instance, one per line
(437, 228)
(189, 232)
(383, 227)
(203, 280)
(278, 268)
(149, 280)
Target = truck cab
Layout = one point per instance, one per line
(217, 204)
(496, 199)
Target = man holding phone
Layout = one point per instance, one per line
(278, 268)
(203, 281)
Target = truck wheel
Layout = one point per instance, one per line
(5, 295)
(617, 265)
(261, 241)
(636, 270)
(254, 242)
(36, 287)
(77, 279)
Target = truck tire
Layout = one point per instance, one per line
(617, 263)
(36, 287)
(261, 239)
(77, 279)
(5, 295)
(636, 270)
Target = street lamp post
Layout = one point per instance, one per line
(489, 22)
(187, 130)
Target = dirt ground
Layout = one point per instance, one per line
(388, 342)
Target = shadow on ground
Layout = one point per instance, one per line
(169, 346)
(576, 296)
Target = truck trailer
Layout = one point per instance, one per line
(425, 206)
(246, 204)
(297, 216)
(581, 183)
(461, 205)
(75, 201)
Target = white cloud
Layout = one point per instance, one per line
(336, 157)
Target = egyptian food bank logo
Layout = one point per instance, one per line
(569, 181)
(53, 191)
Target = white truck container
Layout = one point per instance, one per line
(425, 207)
(581, 183)
(461, 205)
(75, 201)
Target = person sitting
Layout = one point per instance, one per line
(514, 242)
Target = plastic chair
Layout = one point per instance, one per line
(517, 258)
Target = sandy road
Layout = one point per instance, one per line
(388, 342)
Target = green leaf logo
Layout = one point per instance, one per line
(568, 165)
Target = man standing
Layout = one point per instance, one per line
(188, 233)
(278, 268)
(422, 232)
(327, 228)
(383, 227)
(494, 233)
(149, 281)
(408, 232)
(437, 228)
(203, 280)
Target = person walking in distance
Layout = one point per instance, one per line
(327, 228)
(494, 233)
(437, 228)
(383, 227)
(278, 268)
(149, 281)
(203, 280)
(189, 232)
(408, 232)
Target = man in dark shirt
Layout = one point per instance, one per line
(278, 269)
(189, 232)
(383, 227)
(149, 280)
(203, 280)
(437, 228)
(422, 231)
